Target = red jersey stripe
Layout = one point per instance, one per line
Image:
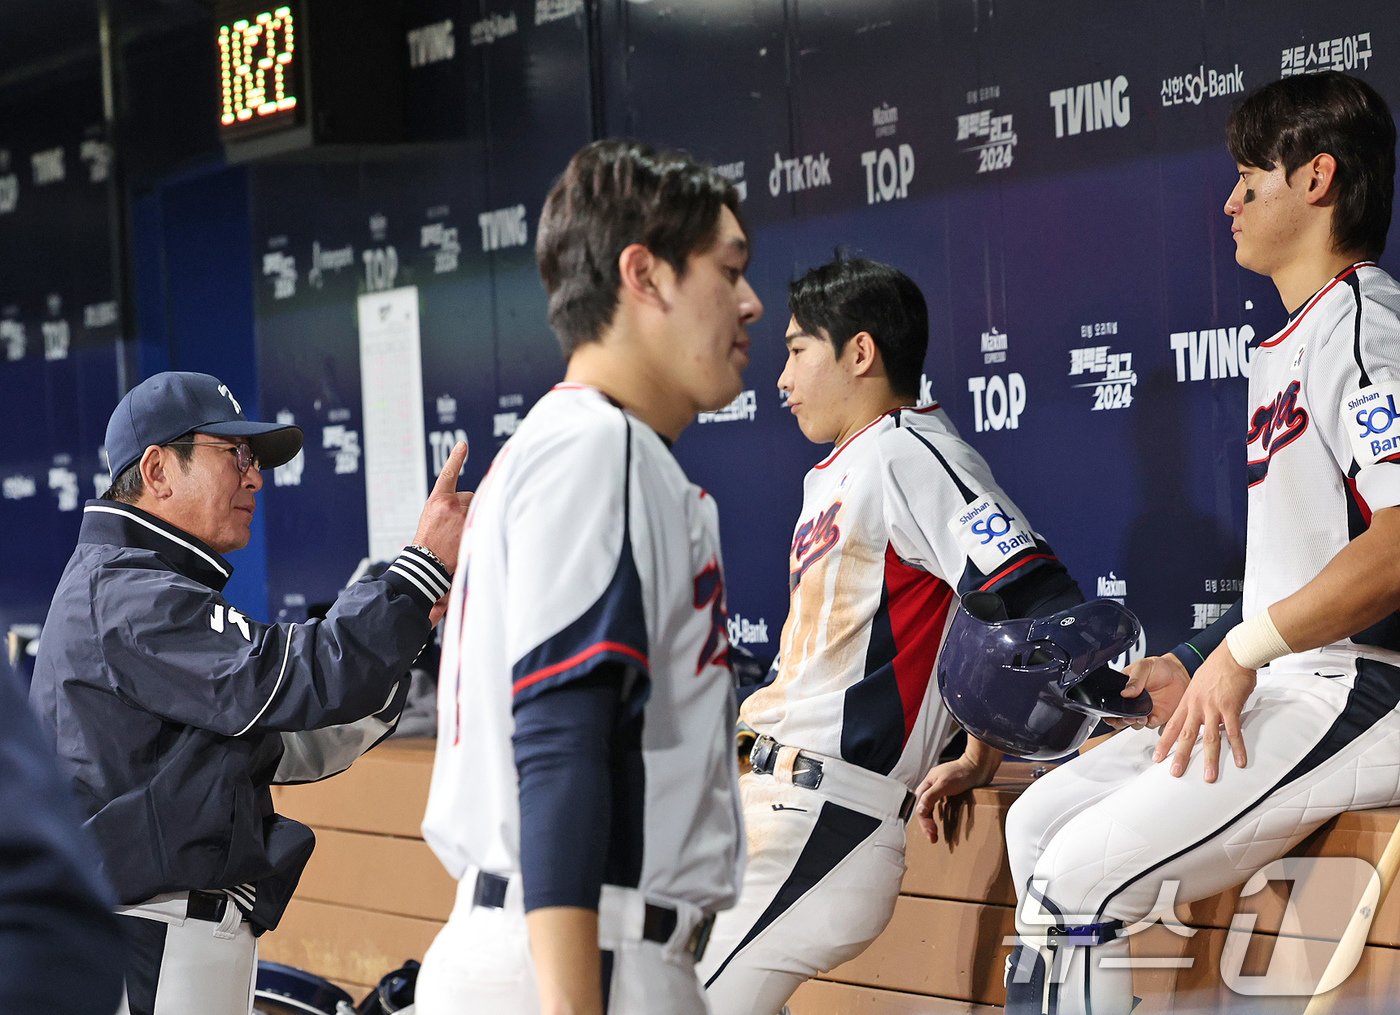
(918, 612)
(1312, 303)
(572, 661)
(847, 442)
(1019, 564)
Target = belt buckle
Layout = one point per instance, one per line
(700, 937)
(490, 890)
(208, 907)
(761, 757)
(810, 774)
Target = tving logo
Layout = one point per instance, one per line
(1098, 105)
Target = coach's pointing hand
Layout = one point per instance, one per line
(440, 524)
(1212, 703)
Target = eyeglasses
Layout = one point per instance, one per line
(242, 452)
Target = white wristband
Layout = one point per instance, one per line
(1256, 641)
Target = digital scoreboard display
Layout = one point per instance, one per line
(260, 68)
(275, 97)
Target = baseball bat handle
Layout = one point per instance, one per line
(1353, 940)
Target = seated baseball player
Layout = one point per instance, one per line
(1301, 692)
(898, 521)
(584, 791)
(172, 712)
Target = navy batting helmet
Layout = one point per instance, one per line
(287, 990)
(1036, 687)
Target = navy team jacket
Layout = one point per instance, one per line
(172, 713)
(60, 952)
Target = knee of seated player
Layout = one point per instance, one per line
(1027, 823)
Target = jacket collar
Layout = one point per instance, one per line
(106, 521)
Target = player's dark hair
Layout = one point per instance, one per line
(129, 486)
(1291, 120)
(612, 194)
(849, 295)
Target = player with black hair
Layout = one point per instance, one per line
(1302, 691)
(583, 793)
(898, 521)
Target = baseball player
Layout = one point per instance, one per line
(172, 712)
(583, 793)
(898, 521)
(1301, 693)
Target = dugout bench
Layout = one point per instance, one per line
(374, 895)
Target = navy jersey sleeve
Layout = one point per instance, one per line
(947, 514)
(575, 596)
(1193, 651)
(60, 950)
(177, 649)
(561, 751)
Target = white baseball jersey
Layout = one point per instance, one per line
(896, 523)
(1324, 450)
(1321, 727)
(586, 543)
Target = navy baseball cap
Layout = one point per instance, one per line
(168, 405)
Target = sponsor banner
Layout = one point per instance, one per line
(1196, 86)
(744, 408)
(430, 44)
(1212, 353)
(799, 173)
(997, 401)
(1369, 415)
(1346, 53)
(989, 534)
(1095, 106)
(1107, 374)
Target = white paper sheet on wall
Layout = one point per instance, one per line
(391, 389)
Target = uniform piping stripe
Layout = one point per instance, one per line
(1006, 571)
(1294, 774)
(1355, 283)
(428, 572)
(156, 528)
(286, 654)
(894, 413)
(398, 568)
(568, 664)
(837, 832)
(1312, 303)
(847, 442)
(957, 480)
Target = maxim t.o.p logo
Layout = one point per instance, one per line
(997, 401)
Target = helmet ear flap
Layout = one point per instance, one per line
(987, 607)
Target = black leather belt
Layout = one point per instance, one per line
(658, 924)
(207, 906)
(806, 770)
